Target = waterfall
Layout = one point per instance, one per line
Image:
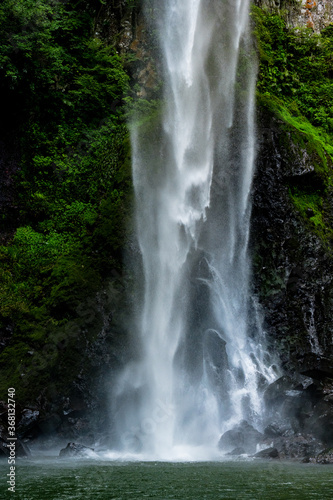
(200, 359)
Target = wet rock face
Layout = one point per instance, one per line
(115, 23)
(293, 280)
(292, 267)
(305, 407)
(6, 445)
(277, 441)
(315, 14)
(21, 450)
(325, 457)
(298, 446)
(241, 439)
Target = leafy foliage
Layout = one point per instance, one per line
(64, 89)
(297, 67)
(295, 83)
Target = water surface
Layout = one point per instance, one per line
(96, 479)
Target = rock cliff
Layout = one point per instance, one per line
(292, 244)
(315, 14)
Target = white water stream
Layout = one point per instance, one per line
(201, 357)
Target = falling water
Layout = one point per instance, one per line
(200, 358)
(310, 325)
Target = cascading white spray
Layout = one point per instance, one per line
(199, 359)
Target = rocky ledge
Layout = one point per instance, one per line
(276, 442)
(300, 416)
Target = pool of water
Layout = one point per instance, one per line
(50, 479)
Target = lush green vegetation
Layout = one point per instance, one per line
(64, 90)
(296, 65)
(296, 84)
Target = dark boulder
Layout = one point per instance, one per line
(298, 446)
(316, 366)
(325, 457)
(21, 449)
(28, 425)
(242, 436)
(267, 453)
(320, 422)
(75, 450)
(274, 430)
(287, 385)
(303, 406)
(236, 452)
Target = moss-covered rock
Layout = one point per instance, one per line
(292, 238)
(292, 230)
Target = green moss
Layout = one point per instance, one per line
(303, 140)
(312, 138)
(310, 206)
(296, 67)
(295, 84)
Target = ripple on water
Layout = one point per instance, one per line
(119, 480)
